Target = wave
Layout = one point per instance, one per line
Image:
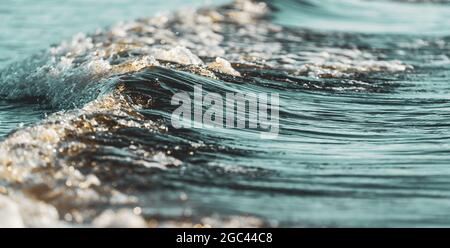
(109, 144)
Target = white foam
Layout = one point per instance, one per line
(9, 213)
(124, 218)
(178, 54)
(223, 66)
(19, 211)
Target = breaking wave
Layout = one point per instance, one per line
(363, 136)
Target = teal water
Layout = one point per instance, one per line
(28, 27)
(383, 17)
(364, 92)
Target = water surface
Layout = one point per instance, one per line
(363, 141)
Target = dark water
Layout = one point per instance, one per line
(15, 115)
(364, 100)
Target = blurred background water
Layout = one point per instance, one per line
(381, 16)
(28, 26)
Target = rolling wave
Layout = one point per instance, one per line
(363, 116)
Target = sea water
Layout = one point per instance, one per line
(364, 101)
